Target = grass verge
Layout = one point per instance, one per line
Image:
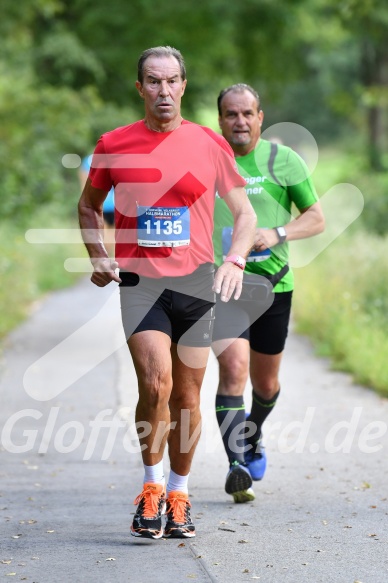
(341, 301)
(28, 271)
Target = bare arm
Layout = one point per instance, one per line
(229, 276)
(310, 222)
(92, 228)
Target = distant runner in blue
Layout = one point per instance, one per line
(108, 208)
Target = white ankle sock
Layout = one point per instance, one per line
(177, 482)
(154, 473)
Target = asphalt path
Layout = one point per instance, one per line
(70, 466)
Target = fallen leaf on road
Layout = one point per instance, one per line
(181, 545)
(50, 531)
(243, 541)
(16, 536)
(10, 574)
(226, 529)
(6, 562)
(110, 559)
(372, 534)
(246, 571)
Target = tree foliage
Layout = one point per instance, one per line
(68, 67)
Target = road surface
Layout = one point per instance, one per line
(70, 467)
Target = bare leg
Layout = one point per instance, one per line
(184, 407)
(233, 360)
(151, 355)
(264, 370)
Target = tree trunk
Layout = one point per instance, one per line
(372, 65)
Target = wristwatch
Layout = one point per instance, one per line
(237, 260)
(282, 235)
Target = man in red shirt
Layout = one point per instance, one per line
(165, 172)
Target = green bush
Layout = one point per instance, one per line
(341, 303)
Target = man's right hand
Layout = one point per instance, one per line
(104, 271)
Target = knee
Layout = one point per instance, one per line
(155, 388)
(233, 374)
(187, 401)
(266, 387)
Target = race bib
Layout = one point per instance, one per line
(163, 226)
(253, 257)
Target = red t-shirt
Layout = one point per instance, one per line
(165, 185)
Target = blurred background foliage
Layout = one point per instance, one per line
(67, 71)
(68, 68)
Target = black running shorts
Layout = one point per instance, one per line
(181, 307)
(265, 327)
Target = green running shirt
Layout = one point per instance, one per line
(276, 178)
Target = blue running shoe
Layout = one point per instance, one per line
(256, 461)
(256, 458)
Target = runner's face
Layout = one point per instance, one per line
(162, 89)
(240, 121)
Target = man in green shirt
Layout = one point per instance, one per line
(250, 333)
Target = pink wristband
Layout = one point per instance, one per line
(237, 260)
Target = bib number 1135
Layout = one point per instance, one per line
(163, 226)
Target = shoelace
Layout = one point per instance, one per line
(178, 505)
(151, 502)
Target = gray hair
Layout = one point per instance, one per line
(160, 52)
(237, 88)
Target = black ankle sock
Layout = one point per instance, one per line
(261, 408)
(233, 410)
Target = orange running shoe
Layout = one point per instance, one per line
(179, 523)
(147, 521)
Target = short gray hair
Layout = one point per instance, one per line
(237, 88)
(160, 52)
